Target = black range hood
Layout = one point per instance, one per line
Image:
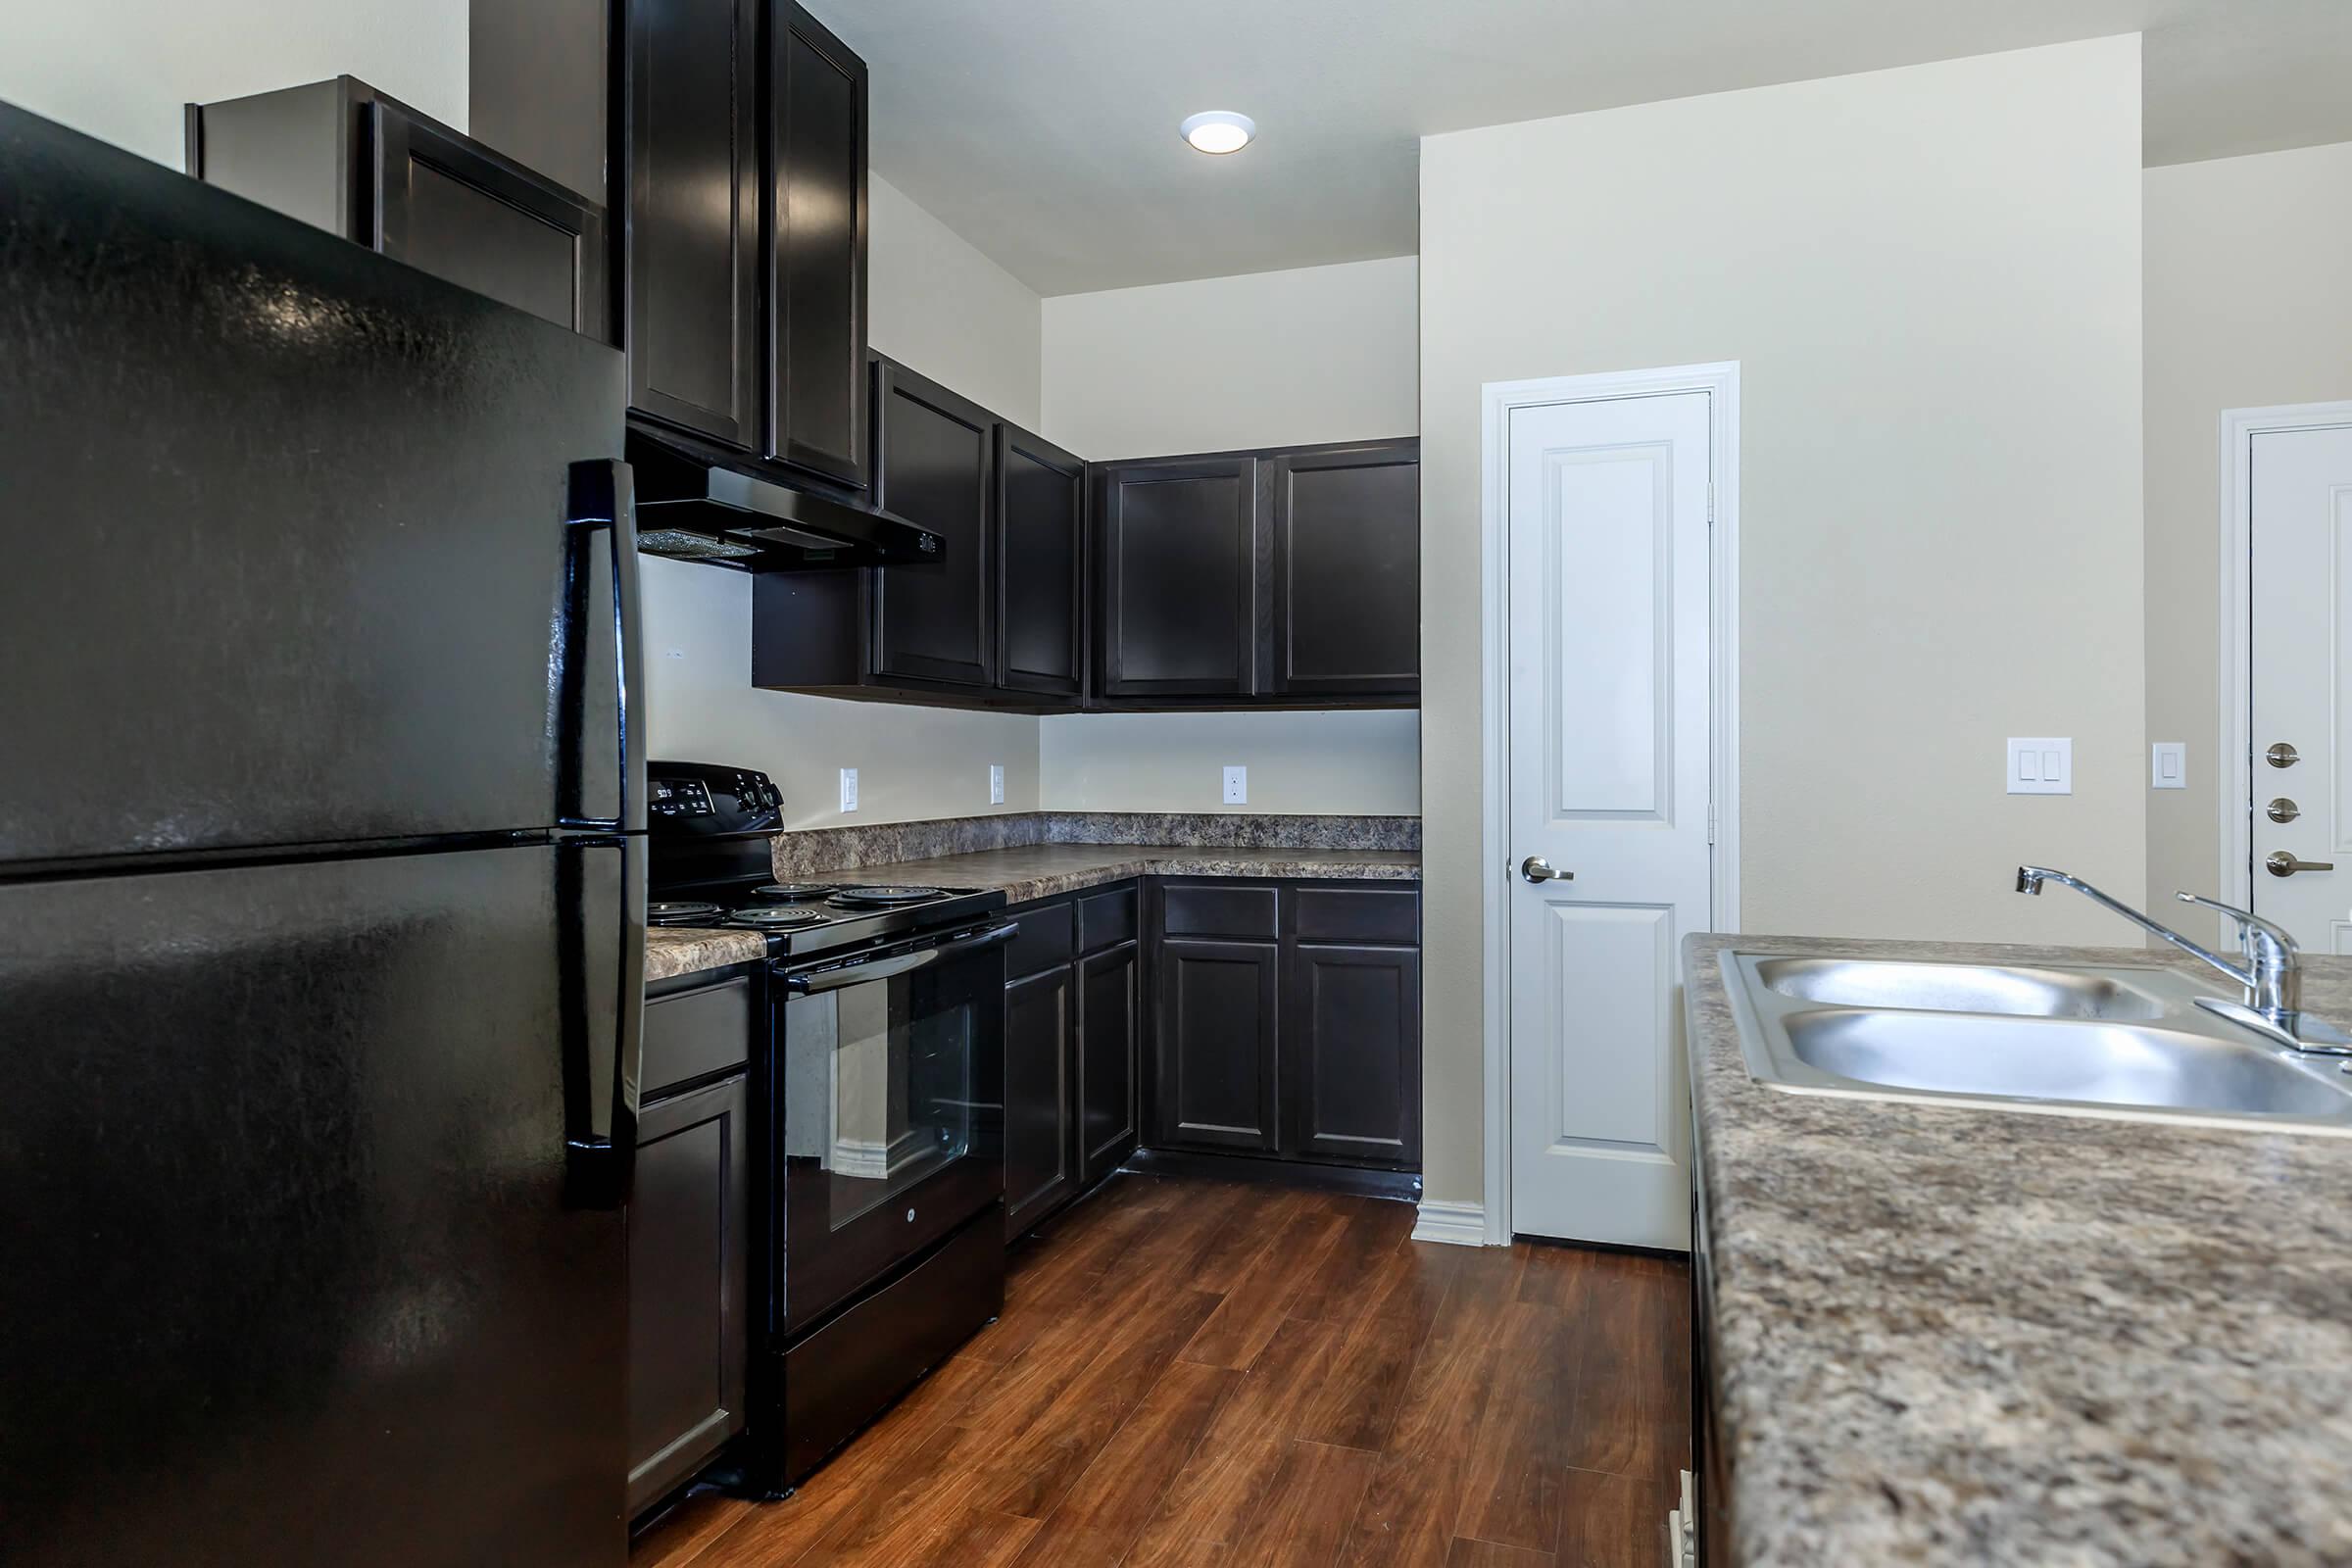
(690, 508)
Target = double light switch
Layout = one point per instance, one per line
(2041, 764)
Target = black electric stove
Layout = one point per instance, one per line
(708, 866)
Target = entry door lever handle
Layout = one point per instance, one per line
(1536, 868)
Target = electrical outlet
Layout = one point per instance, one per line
(848, 789)
(996, 784)
(1237, 786)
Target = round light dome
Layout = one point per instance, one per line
(1218, 130)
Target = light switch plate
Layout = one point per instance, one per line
(2168, 765)
(996, 784)
(848, 789)
(2041, 764)
(1237, 786)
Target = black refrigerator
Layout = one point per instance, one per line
(320, 894)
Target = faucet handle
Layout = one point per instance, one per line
(2249, 924)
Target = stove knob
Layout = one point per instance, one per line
(910, 1216)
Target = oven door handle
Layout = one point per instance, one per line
(857, 974)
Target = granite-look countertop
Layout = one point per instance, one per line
(1045, 870)
(1946, 1334)
(674, 951)
(1040, 871)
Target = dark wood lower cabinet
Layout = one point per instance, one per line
(1040, 1131)
(1287, 1021)
(1072, 1017)
(1352, 1053)
(1109, 1014)
(1217, 1081)
(689, 1284)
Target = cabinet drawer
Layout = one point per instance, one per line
(1388, 915)
(1048, 937)
(692, 1034)
(1208, 911)
(1105, 919)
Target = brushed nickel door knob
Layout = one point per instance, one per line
(2282, 756)
(2282, 864)
(1536, 868)
(2283, 810)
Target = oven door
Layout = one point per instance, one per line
(892, 1110)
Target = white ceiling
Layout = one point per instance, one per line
(1043, 131)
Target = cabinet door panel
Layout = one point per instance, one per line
(1041, 519)
(689, 1284)
(1040, 1149)
(1351, 1043)
(693, 235)
(933, 621)
(1177, 545)
(1216, 1084)
(818, 304)
(1346, 586)
(457, 211)
(1109, 997)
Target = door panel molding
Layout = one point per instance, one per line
(2234, 752)
(1499, 400)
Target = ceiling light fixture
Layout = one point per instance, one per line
(1218, 130)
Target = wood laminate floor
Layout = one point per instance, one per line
(1192, 1373)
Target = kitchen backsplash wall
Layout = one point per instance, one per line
(845, 848)
(1366, 762)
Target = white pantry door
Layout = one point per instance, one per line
(1609, 732)
(2302, 688)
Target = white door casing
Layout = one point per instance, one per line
(2299, 689)
(1609, 778)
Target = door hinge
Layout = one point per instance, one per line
(1710, 503)
(1710, 821)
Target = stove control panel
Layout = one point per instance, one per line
(704, 799)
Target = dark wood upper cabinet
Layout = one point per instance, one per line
(934, 461)
(1041, 551)
(816, 310)
(342, 155)
(1347, 580)
(1176, 548)
(690, 246)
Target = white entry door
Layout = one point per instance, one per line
(2301, 692)
(1609, 777)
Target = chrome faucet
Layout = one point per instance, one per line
(2272, 976)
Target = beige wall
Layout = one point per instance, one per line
(1264, 358)
(1260, 360)
(2249, 303)
(1366, 762)
(955, 316)
(1931, 279)
(122, 69)
(947, 310)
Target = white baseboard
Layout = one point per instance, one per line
(1455, 1224)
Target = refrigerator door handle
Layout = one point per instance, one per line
(602, 1030)
(602, 502)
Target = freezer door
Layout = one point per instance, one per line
(291, 556)
(297, 1271)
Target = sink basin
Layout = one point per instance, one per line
(1960, 988)
(2116, 1041)
(2038, 1058)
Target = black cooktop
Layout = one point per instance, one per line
(809, 917)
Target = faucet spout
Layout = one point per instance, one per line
(2271, 977)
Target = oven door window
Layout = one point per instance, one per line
(878, 1092)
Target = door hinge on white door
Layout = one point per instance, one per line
(1710, 821)
(1710, 503)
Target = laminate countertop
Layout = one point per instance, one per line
(1947, 1335)
(1042, 871)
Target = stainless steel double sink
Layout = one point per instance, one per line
(2099, 1040)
